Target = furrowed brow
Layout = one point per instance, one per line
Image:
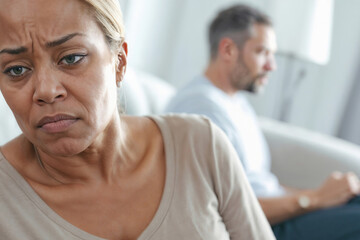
(62, 40)
(14, 51)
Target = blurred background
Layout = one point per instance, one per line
(316, 84)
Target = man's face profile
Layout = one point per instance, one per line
(255, 60)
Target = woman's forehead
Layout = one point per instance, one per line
(22, 20)
(31, 8)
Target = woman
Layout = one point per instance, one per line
(81, 171)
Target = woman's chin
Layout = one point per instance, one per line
(65, 149)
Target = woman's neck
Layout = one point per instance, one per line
(115, 153)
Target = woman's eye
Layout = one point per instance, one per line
(71, 59)
(16, 71)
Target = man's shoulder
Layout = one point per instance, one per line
(199, 86)
(196, 95)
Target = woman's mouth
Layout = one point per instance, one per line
(57, 123)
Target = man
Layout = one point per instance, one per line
(242, 47)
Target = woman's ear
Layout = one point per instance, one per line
(121, 63)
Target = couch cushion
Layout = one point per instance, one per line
(302, 158)
(143, 93)
(8, 125)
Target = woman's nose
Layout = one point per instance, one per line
(48, 87)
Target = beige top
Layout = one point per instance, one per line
(206, 194)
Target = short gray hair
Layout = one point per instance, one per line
(236, 23)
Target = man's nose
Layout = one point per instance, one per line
(270, 64)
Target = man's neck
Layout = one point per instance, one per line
(219, 77)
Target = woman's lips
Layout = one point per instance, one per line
(57, 123)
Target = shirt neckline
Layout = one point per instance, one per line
(155, 223)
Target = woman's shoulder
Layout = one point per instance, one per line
(190, 125)
(198, 132)
(191, 129)
(16, 151)
(11, 156)
(14, 144)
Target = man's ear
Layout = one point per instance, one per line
(121, 63)
(227, 49)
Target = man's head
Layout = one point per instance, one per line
(243, 38)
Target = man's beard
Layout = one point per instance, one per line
(254, 86)
(241, 79)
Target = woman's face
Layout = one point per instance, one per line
(57, 73)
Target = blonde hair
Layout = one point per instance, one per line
(109, 17)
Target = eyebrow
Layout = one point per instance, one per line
(62, 40)
(15, 51)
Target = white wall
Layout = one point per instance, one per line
(168, 38)
(337, 77)
(321, 99)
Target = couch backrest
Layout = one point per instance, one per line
(8, 125)
(302, 158)
(143, 93)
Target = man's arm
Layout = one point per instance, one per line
(336, 190)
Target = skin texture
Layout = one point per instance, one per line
(246, 68)
(102, 170)
(255, 60)
(48, 80)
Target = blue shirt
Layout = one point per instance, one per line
(236, 118)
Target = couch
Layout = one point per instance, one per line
(8, 126)
(300, 158)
